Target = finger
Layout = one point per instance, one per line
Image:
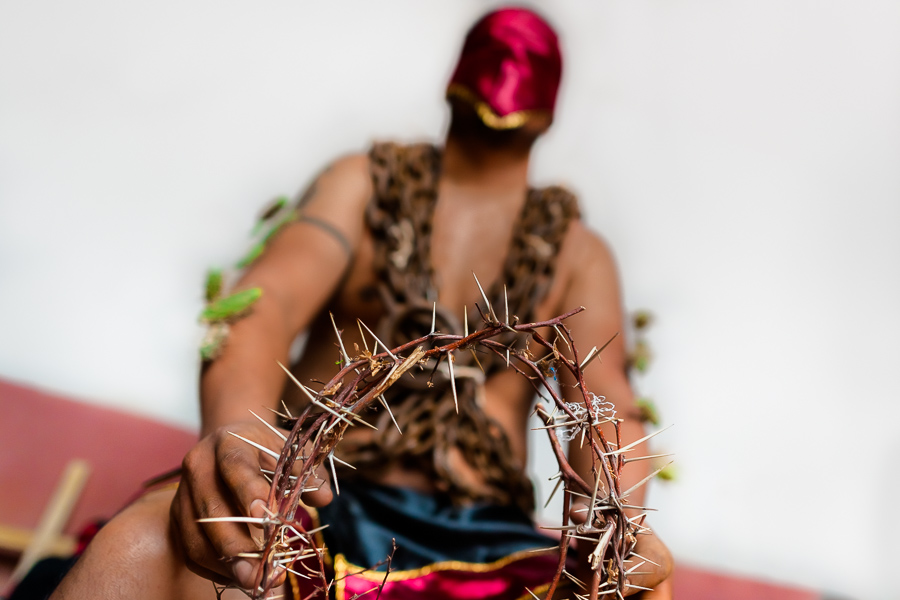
(195, 548)
(239, 465)
(578, 512)
(186, 531)
(228, 540)
(212, 545)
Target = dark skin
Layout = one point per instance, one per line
(481, 190)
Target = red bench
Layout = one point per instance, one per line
(42, 432)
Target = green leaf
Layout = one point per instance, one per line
(273, 208)
(213, 284)
(252, 255)
(231, 306)
(669, 473)
(278, 225)
(270, 210)
(260, 246)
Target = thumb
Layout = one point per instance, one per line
(578, 512)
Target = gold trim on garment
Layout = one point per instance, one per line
(342, 566)
(539, 591)
(487, 114)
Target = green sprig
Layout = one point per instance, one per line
(213, 284)
(231, 306)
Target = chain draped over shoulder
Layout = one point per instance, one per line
(405, 179)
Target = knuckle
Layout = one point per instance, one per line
(232, 546)
(234, 463)
(191, 460)
(195, 550)
(212, 507)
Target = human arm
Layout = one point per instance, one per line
(595, 286)
(299, 271)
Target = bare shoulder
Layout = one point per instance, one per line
(589, 278)
(315, 249)
(587, 248)
(585, 267)
(343, 187)
(332, 208)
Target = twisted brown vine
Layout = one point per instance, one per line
(362, 380)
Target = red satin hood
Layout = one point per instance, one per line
(509, 68)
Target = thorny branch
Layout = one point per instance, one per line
(362, 380)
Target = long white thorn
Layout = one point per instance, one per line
(452, 381)
(268, 472)
(645, 558)
(386, 349)
(548, 549)
(590, 356)
(256, 520)
(594, 495)
(337, 488)
(475, 356)
(483, 295)
(302, 387)
(278, 414)
(574, 579)
(553, 493)
(627, 460)
(345, 463)
(286, 410)
(316, 530)
(297, 573)
(555, 425)
(270, 426)
(366, 423)
(344, 354)
(271, 453)
(506, 304)
(312, 398)
(635, 567)
(562, 337)
(644, 480)
(465, 321)
(311, 392)
(633, 444)
(388, 409)
(433, 317)
(362, 335)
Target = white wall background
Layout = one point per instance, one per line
(740, 157)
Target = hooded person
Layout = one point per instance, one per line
(438, 495)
